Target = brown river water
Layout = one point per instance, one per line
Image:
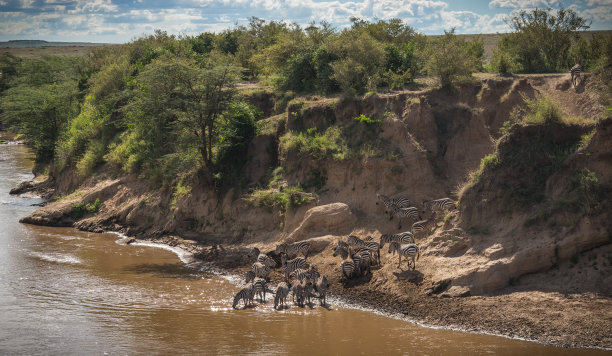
(67, 292)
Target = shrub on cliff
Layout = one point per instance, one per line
(452, 58)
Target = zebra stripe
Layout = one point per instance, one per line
(347, 269)
(409, 250)
(419, 226)
(282, 291)
(439, 204)
(246, 294)
(259, 285)
(293, 250)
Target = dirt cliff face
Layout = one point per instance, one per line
(437, 138)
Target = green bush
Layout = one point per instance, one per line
(451, 58)
(282, 198)
(94, 207)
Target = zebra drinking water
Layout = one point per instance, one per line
(246, 294)
(282, 291)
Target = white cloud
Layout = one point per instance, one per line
(599, 2)
(601, 14)
(522, 4)
(26, 4)
(89, 6)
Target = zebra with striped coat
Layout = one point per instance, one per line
(298, 293)
(575, 73)
(262, 258)
(246, 294)
(259, 286)
(293, 250)
(389, 203)
(401, 213)
(282, 291)
(372, 246)
(362, 261)
(439, 204)
(321, 286)
(249, 277)
(261, 270)
(290, 266)
(403, 238)
(408, 250)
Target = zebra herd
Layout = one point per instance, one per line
(358, 256)
(300, 279)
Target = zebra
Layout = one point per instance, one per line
(298, 293)
(290, 266)
(291, 250)
(321, 285)
(302, 274)
(261, 270)
(409, 250)
(282, 291)
(246, 294)
(347, 269)
(439, 204)
(259, 285)
(419, 226)
(362, 260)
(262, 258)
(373, 246)
(249, 277)
(411, 212)
(402, 237)
(575, 73)
(389, 203)
(307, 288)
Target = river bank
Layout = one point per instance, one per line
(578, 320)
(546, 307)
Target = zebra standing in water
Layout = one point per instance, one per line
(259, 287)
(282, 291)
(291, 250)
(575, 73)
(246, 294)
(409, 250)
(439, 204)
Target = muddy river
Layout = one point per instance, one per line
(66, 292)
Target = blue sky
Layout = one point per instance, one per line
(119, 21)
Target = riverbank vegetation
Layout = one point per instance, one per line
(167, 107)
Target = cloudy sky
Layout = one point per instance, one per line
(120, 21)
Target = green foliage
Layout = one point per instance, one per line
(542, 111)
(77, 211)
(283, 199)
(452, 58)
(367, 120)
(94, 207)
(540, 42)
(314, 144)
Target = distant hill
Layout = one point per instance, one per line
(41, 43)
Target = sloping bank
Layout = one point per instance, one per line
(527, 254)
